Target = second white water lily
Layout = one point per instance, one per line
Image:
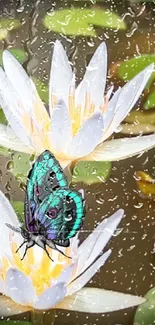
(38, 283)
(79, 120)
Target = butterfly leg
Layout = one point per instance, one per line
(58, 250)
(24, 242)
(53, 246)
(47, 253)
(30, 244)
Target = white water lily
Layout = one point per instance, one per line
(38, 283)
(79, 120)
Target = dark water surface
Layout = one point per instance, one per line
(131, 266)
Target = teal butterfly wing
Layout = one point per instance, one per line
(73, 214)
(45, 177)
(61, 215)
(49, 215)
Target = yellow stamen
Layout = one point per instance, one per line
(87, 105)
(78, 120)
(41, 275)
(104, 107)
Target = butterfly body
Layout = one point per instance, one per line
(53, 212)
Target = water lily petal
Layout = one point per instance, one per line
(7, 216)
(95, 300)
(30, 110)
(60, 127)
(19, 79)
(61, 75)
(10, 104)
(94, 79)
(9, 308)
(51, 297)
(9, 140)
(65, 274)
(79, 282)
(118, 149)
(109, 114)
(88, 137)
(19, 287)
(128, 97)
(97, 240)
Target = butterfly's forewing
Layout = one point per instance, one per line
(45, 177)
(73, 213)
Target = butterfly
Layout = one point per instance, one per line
(53, 212)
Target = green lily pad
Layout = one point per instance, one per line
(145, 314)
(128, 69)
(19, 54)
(3, 33)
(5, 152)
(9, 23)
(19, 209)
(150, 101)
(78, 21)
(21, 164)
(91, 172)
(42, 89)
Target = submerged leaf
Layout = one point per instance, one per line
(90, 172)
(21, 164)
(19, 209)
(79, 21)
(145, 314)
(19, 54)
(145, 183)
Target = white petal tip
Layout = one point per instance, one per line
(6, 54)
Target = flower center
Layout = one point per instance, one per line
(42, 273)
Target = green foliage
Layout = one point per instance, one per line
(133, 66)
(150, 101)
(42, 89)
(81, 21)
(9, 23)
(91, 172)
(19, 54)
(14, 322)
(145, 314)
(19, 209)
(3, 119)
(21, 164)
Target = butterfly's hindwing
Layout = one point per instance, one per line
(73, 213)
(50, 215)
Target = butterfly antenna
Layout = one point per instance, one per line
(13, 228)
